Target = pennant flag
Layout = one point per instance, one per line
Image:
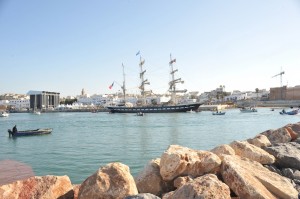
(111, 85)
(137, 53)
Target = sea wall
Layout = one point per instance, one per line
(266, 166)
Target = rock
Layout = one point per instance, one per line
(223, 149)
(178, 182)
(112, 181)
(37, 187)
(249, 179)
(76, 190)
(182, 161)
(287, 154)
(297, 140)
(206, 187)
(295, 127)
(280, 135)
(260, 141)
(273, 168)
(143, 196)
(288, 172)
(293, 134)
(296, 174)
(244, 149)
(149, 180)
(168, 195)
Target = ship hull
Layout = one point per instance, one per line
(155, 109)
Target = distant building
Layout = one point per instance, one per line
(285, 93)
(43, 99)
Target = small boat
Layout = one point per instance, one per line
(140, 114)
(248, 110)
(37, 112)
(219, 113)
(293, 112)
(29, 132)
(191, 111)
(4, 114)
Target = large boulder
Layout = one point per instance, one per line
(112, 181)
(260, 141)
(206, 187)
(249, 179)
(143, 196)
(244, 149)
(223, 149)
(149, 180)
(37, 187)
(287, 154)
(280, 135)
(182, 161)
(295, 128)
(178, 182)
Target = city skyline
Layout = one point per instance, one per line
(70, 45)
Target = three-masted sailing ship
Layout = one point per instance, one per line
(173, 107)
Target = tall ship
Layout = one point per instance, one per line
(172, 107)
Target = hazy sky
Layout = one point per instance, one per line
(64, 46)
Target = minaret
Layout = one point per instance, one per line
(83, 92)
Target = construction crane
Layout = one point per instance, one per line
(281, 73)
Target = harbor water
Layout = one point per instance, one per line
(82, 142)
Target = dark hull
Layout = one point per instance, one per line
(223, 113)
(155, 109)
(294, 112)
(30, 132)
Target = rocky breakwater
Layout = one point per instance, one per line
(266, 166)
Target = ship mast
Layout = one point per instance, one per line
(123, 87)
(173, 82)
(143, 80)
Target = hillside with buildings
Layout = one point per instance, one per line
(44, 100)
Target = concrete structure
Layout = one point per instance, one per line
(285, 93)
(43, 100)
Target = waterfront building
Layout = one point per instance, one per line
(43, 100)
(285, 93)
(20, 104)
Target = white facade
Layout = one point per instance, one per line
(19, 104)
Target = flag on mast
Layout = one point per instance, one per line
(111, 85)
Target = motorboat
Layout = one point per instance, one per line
(218, 113)
(29, 132)
(248, 110)
(4, 114)
(292, 112)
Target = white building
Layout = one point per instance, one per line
(20, 104)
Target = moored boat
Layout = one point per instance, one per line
(293, 112)
(4, 114)
(171, 108)
(219, 113)
(30, 132)
(248, 110)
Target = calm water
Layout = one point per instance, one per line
(82, 142)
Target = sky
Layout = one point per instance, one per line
(65, 46)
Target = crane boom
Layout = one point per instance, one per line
(281, 73)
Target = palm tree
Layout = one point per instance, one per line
(256, 91)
